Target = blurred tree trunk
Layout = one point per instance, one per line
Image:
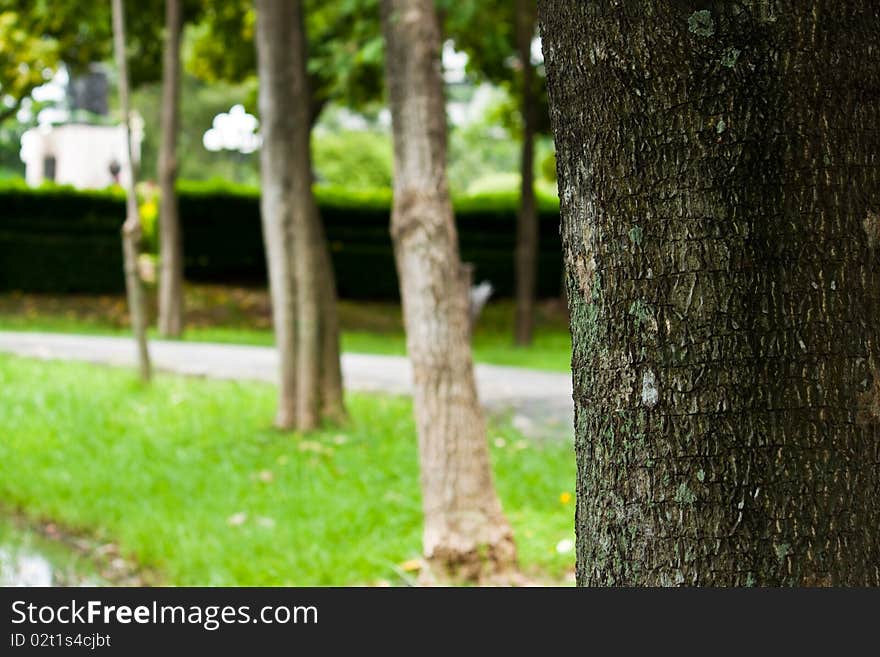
(720, 191)
(131, 228)
(300, 270)
(465, 534)
(527, 220)
(171, 246)
(331, 393)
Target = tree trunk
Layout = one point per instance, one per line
(720, 191)
(131, 228)
(274, 21)
(465, 533)
(171, 246)
(527, 220)
(306, 245)
(332, 401)
(300, 272)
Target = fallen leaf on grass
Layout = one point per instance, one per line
(313, 446)
(411, 566)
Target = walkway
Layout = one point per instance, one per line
(538, 403)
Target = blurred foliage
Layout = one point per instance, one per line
(486, 31)
(200, 102)
(356, 158)
(345, 65)
(37, 36)
(344, 42)
(25, 58)
(484, 151)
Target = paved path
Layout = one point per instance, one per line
(539, 403)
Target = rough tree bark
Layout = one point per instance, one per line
(171, 245)
(131, 228)
(300, 270)
(720, 186)
(465, 533)
(527, 219)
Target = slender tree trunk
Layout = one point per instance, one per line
(465, 532)
(300, 271)
(274, 21)
(171, 245)
(332, 401)
(306, 244)
(131, 228)
(527, 220)
(720, 188)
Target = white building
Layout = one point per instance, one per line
(83, 155)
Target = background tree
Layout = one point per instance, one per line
(170, 238)
(304, 301)
(465, 532)
(344, 52)
(721, 213)
(38, 36)
(131, 228)
(300, 272)
(24, 58)
(497, 35)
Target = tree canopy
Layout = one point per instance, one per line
(344, 48)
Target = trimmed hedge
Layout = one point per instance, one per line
(60, 240)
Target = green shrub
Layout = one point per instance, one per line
(55, 239)
(60, 240)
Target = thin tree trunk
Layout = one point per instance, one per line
(332, 400)
(274, 22)
(131, 228)
(300, 270)
(720, 191)
(306, 234)
(332, 397)
(171, 246)
(465, 531)
(527, 219)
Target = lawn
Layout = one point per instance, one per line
(242, 315)
(189, 479)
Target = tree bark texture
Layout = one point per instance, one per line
(170, 238)
(527, 219)
(300, 271)
(465, 533)
(720, 182)
(131, 228)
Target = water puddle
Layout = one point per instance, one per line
(29, 559)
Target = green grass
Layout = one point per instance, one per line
(166, 470)
(241, 316)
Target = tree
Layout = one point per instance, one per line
(304, 300)
(300, 271)
(171, 244)
(465, 531)
(131, 228)
(344, 55)
(37, 36)
(527, 219)
(497, 35)
(23, 59)
(721, 213)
